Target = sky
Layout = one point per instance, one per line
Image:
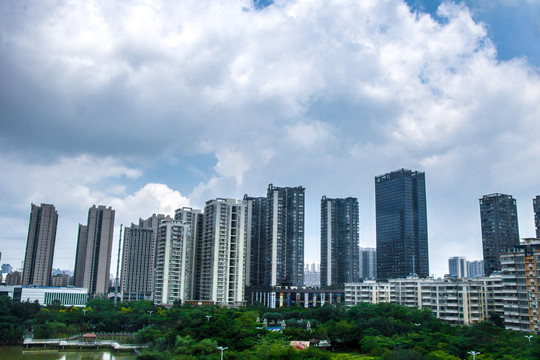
(148, 106)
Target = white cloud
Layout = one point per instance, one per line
(325, 94)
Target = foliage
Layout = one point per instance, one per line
(376, 332)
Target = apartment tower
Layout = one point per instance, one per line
(138, 259)
(500, 232)
(536, 208)
(38, 258)
(223, 252)
(401, 224)
(339, 241)
(94, 246)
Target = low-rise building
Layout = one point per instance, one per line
(46, 295)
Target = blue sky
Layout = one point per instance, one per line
(154, 105)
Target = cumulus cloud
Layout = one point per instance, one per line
(324, 94)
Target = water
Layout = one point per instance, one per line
(21, 353)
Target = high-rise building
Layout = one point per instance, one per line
(276, 237)
(39, 254)
(457, 267)
(475, 268)
(258, 255)
(368, 263)
(285, 236)
(401, 223)
(223, 252)
(138, 259)
(175, 262)
(94, 247)
(500, 232)
(536, 208)
(339, 241)
(194, 219)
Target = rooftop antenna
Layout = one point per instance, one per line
(117, 268)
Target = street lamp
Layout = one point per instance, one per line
(222, 350)
(150, 312)
(529, 337)
(474, 353)
(208, 317)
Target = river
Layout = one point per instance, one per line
(21, 353)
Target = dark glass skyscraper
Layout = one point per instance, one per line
(339, 241)
(276, 237)
(500, 231)
(401, 222)
(536, 207)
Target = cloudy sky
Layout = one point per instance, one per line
(147, 106)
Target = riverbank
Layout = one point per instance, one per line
(77, 344)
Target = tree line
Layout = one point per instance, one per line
(382, 331)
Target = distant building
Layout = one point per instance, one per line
(500, 231)
(14, 278)
(339, 241)
(60, 280)
(368, 263)
(66, 296)
(138, 259)
(475, 268)
(6, 269)
(39, 255)
(312, 275)
(536, 208)
(401, 224)
(457, 267)
(94, 247)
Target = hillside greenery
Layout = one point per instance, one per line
(370, 332)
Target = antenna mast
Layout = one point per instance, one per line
(117, 268)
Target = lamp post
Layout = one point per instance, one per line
(150, 312)
(222, 350)
(529, 337)
(208, 318)
(474, 353)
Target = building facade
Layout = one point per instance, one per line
(339, 241)
(458, 301)
(457, 267)
(285, 235)
(94, 246)
(138, 259)
(368, 263)
(520, 273)
(223, 252)
(401, 224)
(39, 253)
(276, 237)
(536, 208)
(175, 256)
(500, 231)
(65, 296)
(475, 268)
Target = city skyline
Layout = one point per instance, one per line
(181, 102)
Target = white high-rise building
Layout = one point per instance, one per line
(223, 252)
(457, 267)
(475, 268)
(174, 263)
(94, 248)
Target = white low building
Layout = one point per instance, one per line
(45, 295)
